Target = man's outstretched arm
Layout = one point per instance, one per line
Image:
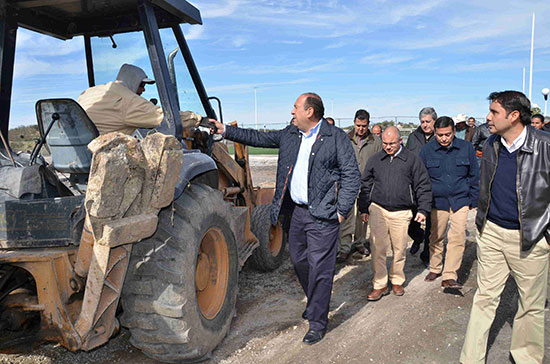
(269, 139)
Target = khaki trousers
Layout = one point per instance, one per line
(456, 240)
(353, 231)
(499, 255)
(388, 229)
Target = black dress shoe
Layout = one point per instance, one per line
(313, 337)
(414, 247)
(304, 315)
(342, 257)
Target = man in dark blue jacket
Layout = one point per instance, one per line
(454, 174)
(317, 182)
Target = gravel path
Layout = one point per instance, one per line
(425, 326)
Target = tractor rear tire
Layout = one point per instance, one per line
(181, 288)
(268, 256)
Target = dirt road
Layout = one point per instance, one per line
(425, 326)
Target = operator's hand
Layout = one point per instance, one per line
(341, 218)
(365, 217)
(219, 126)
(419, 217)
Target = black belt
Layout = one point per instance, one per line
(302, 206)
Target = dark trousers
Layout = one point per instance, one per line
(313, 249)
(417, 234)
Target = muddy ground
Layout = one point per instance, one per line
(425, 326)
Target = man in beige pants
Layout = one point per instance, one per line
(513, 221)
(393, 181)
(454, 173)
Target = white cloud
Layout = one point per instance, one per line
(214, 10)
(251, 86)
(26, 66)
(112, 59)
(300, 67)
(414, 9)
(36, 44)
(386, 58)
(195, 32)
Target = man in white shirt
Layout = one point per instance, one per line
(317, 183)
(513, 221)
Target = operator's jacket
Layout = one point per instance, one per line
(532, 185)
(333, 175)
(113, 107)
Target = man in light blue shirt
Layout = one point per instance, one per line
(317, 184)
(298, 184)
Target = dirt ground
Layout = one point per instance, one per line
(425, 326)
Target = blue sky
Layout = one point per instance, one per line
(390, 57)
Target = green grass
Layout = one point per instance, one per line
(255, 150)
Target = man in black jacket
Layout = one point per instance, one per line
(513, 220)
(417, 139)
(317, 182)
(394, 182)
(480, 136)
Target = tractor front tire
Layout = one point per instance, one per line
(181, 288)
(268, 256)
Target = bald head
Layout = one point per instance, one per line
(391, 140)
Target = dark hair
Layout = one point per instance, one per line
(513, 101)
(538, 116)
(313, 100)
(444, 122)
(471, 117)
(362, 114)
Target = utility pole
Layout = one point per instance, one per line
(532, 54)
(256, 107)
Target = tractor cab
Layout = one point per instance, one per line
(142, 32)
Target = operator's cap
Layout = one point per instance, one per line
(148, 80)
(132, 76)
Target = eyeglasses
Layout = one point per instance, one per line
(361, 126)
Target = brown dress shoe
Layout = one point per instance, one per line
(432, 276)
(376, 294)
(398, 290)
(451, 283)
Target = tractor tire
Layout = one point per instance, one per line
(268, 256)
(181, 288)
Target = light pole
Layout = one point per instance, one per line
(545, 91)
(531, 62)
(256, 107)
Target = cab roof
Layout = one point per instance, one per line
(65, 19)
